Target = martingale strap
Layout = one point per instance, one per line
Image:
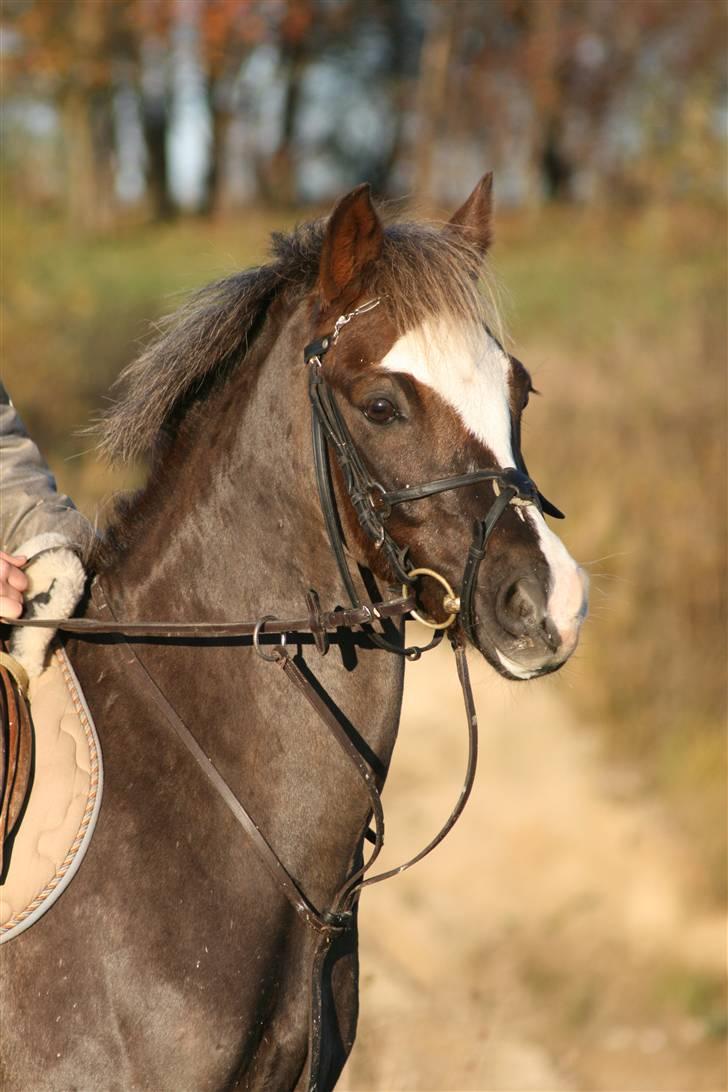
(321, 921)
(340, 912)
(340, 915)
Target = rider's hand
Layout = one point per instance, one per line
(13, 583)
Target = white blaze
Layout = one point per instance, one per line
(471, 374)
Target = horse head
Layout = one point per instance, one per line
(422, 408)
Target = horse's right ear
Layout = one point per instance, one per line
(352, 241)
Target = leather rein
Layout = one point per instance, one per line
(373, 505)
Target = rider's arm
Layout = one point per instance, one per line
(44, 539)
(31, 507)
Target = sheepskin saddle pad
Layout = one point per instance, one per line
(62, 806)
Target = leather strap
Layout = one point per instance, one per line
(294, 674)
(340, 915)
(350, 891)
(461, 663)
(482, 531)
(510, 478)
(16, 669)
(285, 881)
(313, 917)
(360, 484)
(16, 750)
(353, 618)
(342, 442)
(440, 485)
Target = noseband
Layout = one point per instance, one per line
(373, 503)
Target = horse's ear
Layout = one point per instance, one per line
(474, 217)
(353, 239)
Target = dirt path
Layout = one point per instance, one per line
(551, 943)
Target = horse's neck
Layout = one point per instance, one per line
(226, 517)
(231, 530)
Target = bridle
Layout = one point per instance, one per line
(372, 503)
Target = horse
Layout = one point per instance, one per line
(184, 955)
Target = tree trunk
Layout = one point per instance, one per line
(432, 94)
(550, 171)
(278, 174)
(90, 150)
(87, 118)
(154, 120)
(216, 200)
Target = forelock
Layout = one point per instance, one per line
(424, 270)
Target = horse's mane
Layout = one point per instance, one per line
(423, 270)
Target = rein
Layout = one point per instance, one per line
(373, 505)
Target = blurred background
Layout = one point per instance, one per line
(570, 935)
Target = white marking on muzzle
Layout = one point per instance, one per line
(569, 583)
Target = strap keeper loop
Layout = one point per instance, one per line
(316, 623)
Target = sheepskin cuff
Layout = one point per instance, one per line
(56, 580)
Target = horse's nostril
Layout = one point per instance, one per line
(522, 606)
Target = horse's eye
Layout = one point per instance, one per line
(380, 410)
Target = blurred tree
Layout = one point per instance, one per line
(150, 22)
(433, 103)
(229, 30)
(67, 50)
(296, 41)
(563, 93)
(566, 99)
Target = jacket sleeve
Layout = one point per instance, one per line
(31, 508)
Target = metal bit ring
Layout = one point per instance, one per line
(450, 601)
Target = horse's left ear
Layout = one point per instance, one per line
(474, 217)
(353, 240)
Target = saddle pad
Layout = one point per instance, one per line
(64, 801)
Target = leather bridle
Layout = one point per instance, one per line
(372, 503)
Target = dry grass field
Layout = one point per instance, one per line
(568, 935)
(553, 942)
